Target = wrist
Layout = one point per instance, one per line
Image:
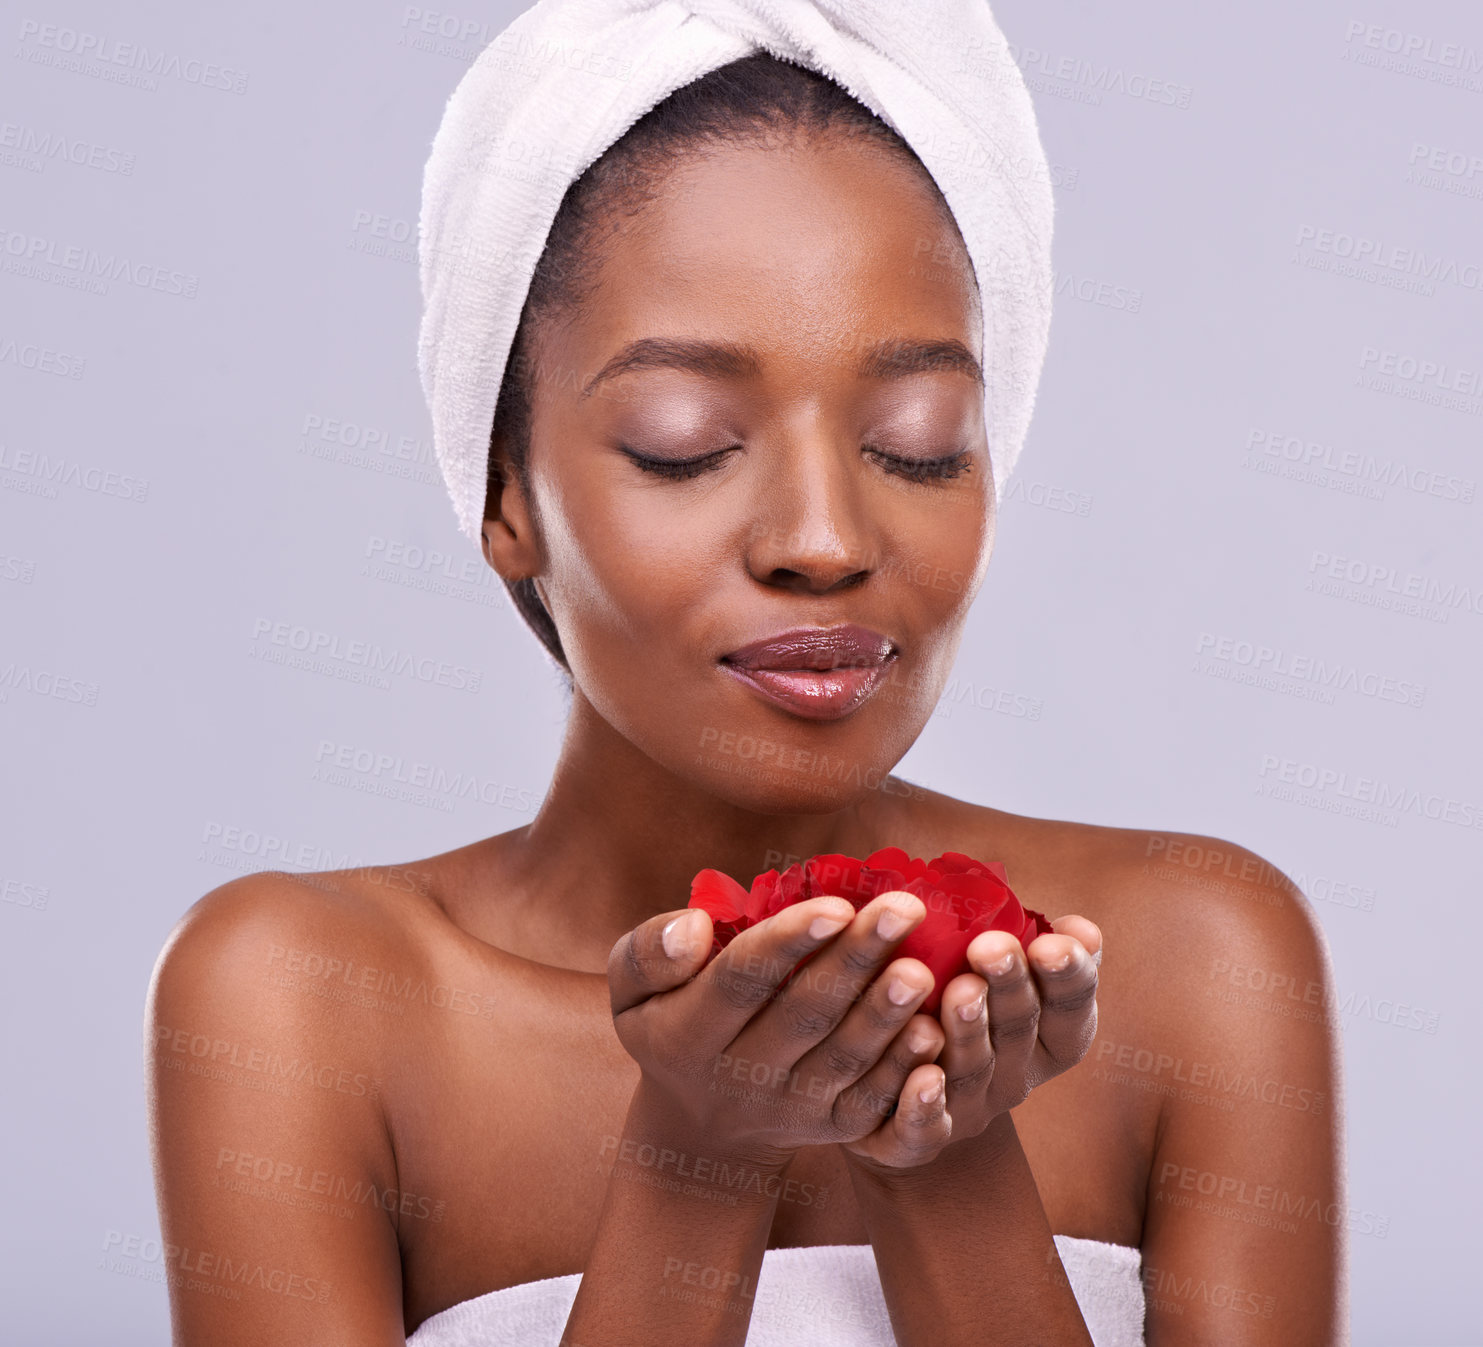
(663, 1148)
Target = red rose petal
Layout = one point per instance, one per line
(831, 875)
(765, 897)
(963, 897)
(890, 858)
(719, 894)
(942, 950)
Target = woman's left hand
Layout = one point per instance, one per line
(1019, 1019)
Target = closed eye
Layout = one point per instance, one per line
(924, 470)
(678, 469)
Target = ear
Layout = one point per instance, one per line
(509, 539)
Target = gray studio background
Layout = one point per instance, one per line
(232, 436)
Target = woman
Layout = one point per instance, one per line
(739, 484)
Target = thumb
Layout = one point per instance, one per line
(658, 955)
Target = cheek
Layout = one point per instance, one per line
(621, 568)
(940, 561)
(942, 550)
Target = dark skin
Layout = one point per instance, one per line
(554, 1035)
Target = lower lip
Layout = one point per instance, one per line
(814, 694)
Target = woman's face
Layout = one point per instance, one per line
(799, 329)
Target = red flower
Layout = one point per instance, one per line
(963, 897)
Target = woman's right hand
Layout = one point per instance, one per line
(732, 1058)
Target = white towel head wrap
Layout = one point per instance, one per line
(567, 78)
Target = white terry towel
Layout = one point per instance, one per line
(568, 77)
(818, 1296)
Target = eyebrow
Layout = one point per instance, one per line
(891, 359)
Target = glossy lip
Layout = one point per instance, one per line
(817, 673)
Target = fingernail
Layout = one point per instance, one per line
(899, 992)
(1057, 964)
(974, 1009)
(675, 944)
(890, 924)
(821, 928)
(1002, 966)
(932, 1093)
(918, 1042)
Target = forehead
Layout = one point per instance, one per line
(812, 249)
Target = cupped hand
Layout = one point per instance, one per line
(1022, 1017)
(752, 1060)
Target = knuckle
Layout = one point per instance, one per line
(903, 1059)
(807, 1020)
(1016, 1027)
(841, 1060)
(858, 961)
(1072, 999)
(1015, 984)
(880, 1016)
(974, 1079)
(864, 1098)
(739, 991)
(921, 1117)
(923, 1136)
(793, 952)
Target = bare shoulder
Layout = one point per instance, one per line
(1153, 886)
(242, 924)
(1228, 912)
(249, 989)
(1236, 921)
(350, 968)
(267, 1103)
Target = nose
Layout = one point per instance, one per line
(809, 531)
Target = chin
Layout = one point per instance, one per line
(773, 775)
(787, 795)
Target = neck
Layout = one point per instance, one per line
(619, 838)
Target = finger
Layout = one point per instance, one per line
(818, 1000)
(1088, 932)
(1014, 1002)
(918, 1129)
(746, 975)
(859, 1042)
(873, 1096)
(658, 955)
(863, 1039)
(1065, 976)
(967, 1055)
